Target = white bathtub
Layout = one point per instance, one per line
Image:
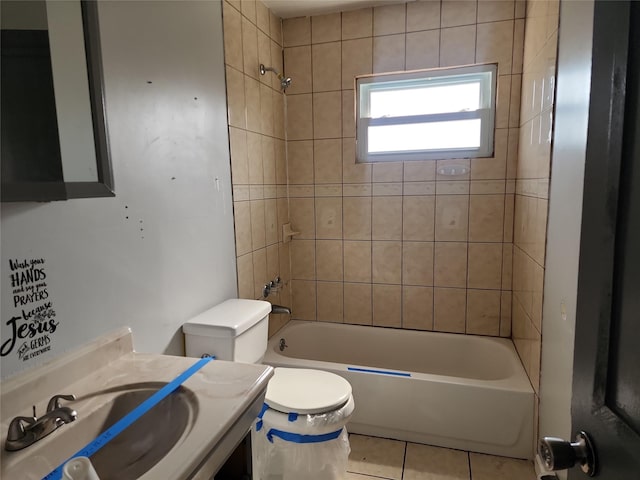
(456, 391)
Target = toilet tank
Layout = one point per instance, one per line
(235, 330)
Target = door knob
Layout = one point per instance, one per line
(558, 454)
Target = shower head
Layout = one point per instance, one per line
(284, 81)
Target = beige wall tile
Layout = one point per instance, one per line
(353, 172)
(389, 53)
(357, 303)
(348, 114)
(303, 259)
(458, 12)
(277, 63)
(483, 312)
(518, 45)
(258, 233)
(485, 265)
(278, 114)
(303, 295)
(387, 172)
(326, 64)
(357, 59)
(326, 28)
(505, 314)
(254, 158)
(387, 218)
(252, 104)
(245, 276)
(514, 108)
(250, 48)
(268, 160)
(419, 188)
(238, 149)
(296, 31)
(242, 218)
(452, 217)
(329, 218)
(387, 305)
(273, 261)
(423, 49)
(450, 264)
(507, 265)
(235, 98)
(302, 214)
(420, 171)
(486, 218)
(495, 10)
(232, 24)
(263, 19)
(492, 167)
(417, 263)
(357, 218)
(260, 277)
(537, 295)
(376, 456)
(329, 264)
(271, 221)
(434, 463)
(387, 262)
(449, 309)
(508, 217)
(357, 261)
(495, 44)
(357, 23)
(300, 162)
(264, 57)
(266, 110)
(457, 45)
(299, 117)
(297, 61)
(489, 467)
(248, 8)
(387, 189)
(327, 161)
(418, 218)
(503, 100)
(275, 27)
(330, 299)
(389, 19)
(417, 307)
(327, 115)
(423, 16)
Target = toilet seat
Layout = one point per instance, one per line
(305, 391)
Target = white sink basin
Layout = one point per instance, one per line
(189, 434)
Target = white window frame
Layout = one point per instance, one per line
(487, 74)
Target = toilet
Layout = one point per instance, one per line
(300, 431)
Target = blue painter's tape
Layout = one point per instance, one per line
(122, 424)
(293, 416)
(380, 372)
(298, 438)
(265, 407)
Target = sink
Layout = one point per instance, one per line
(135, 450)
(186, 436)
(145, 442)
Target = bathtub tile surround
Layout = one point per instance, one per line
(253, 35)
(532, 183)
(419, 250)
(379, 458)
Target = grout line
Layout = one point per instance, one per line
(469, 463)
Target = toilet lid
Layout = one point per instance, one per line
(306, 391)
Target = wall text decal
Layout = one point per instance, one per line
(34, 320)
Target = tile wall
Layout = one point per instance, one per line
(253, 35)
(532, 184)
(396, 244)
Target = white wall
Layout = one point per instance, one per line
(565, 213)
(162, 250)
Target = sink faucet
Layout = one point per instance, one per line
(25, 431)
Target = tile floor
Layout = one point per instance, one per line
(375, 458)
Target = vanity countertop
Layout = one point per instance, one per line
(227, 398)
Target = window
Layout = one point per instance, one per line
(445, 113)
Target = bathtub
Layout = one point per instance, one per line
(456, 391)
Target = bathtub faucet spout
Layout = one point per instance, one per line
(279, 309)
